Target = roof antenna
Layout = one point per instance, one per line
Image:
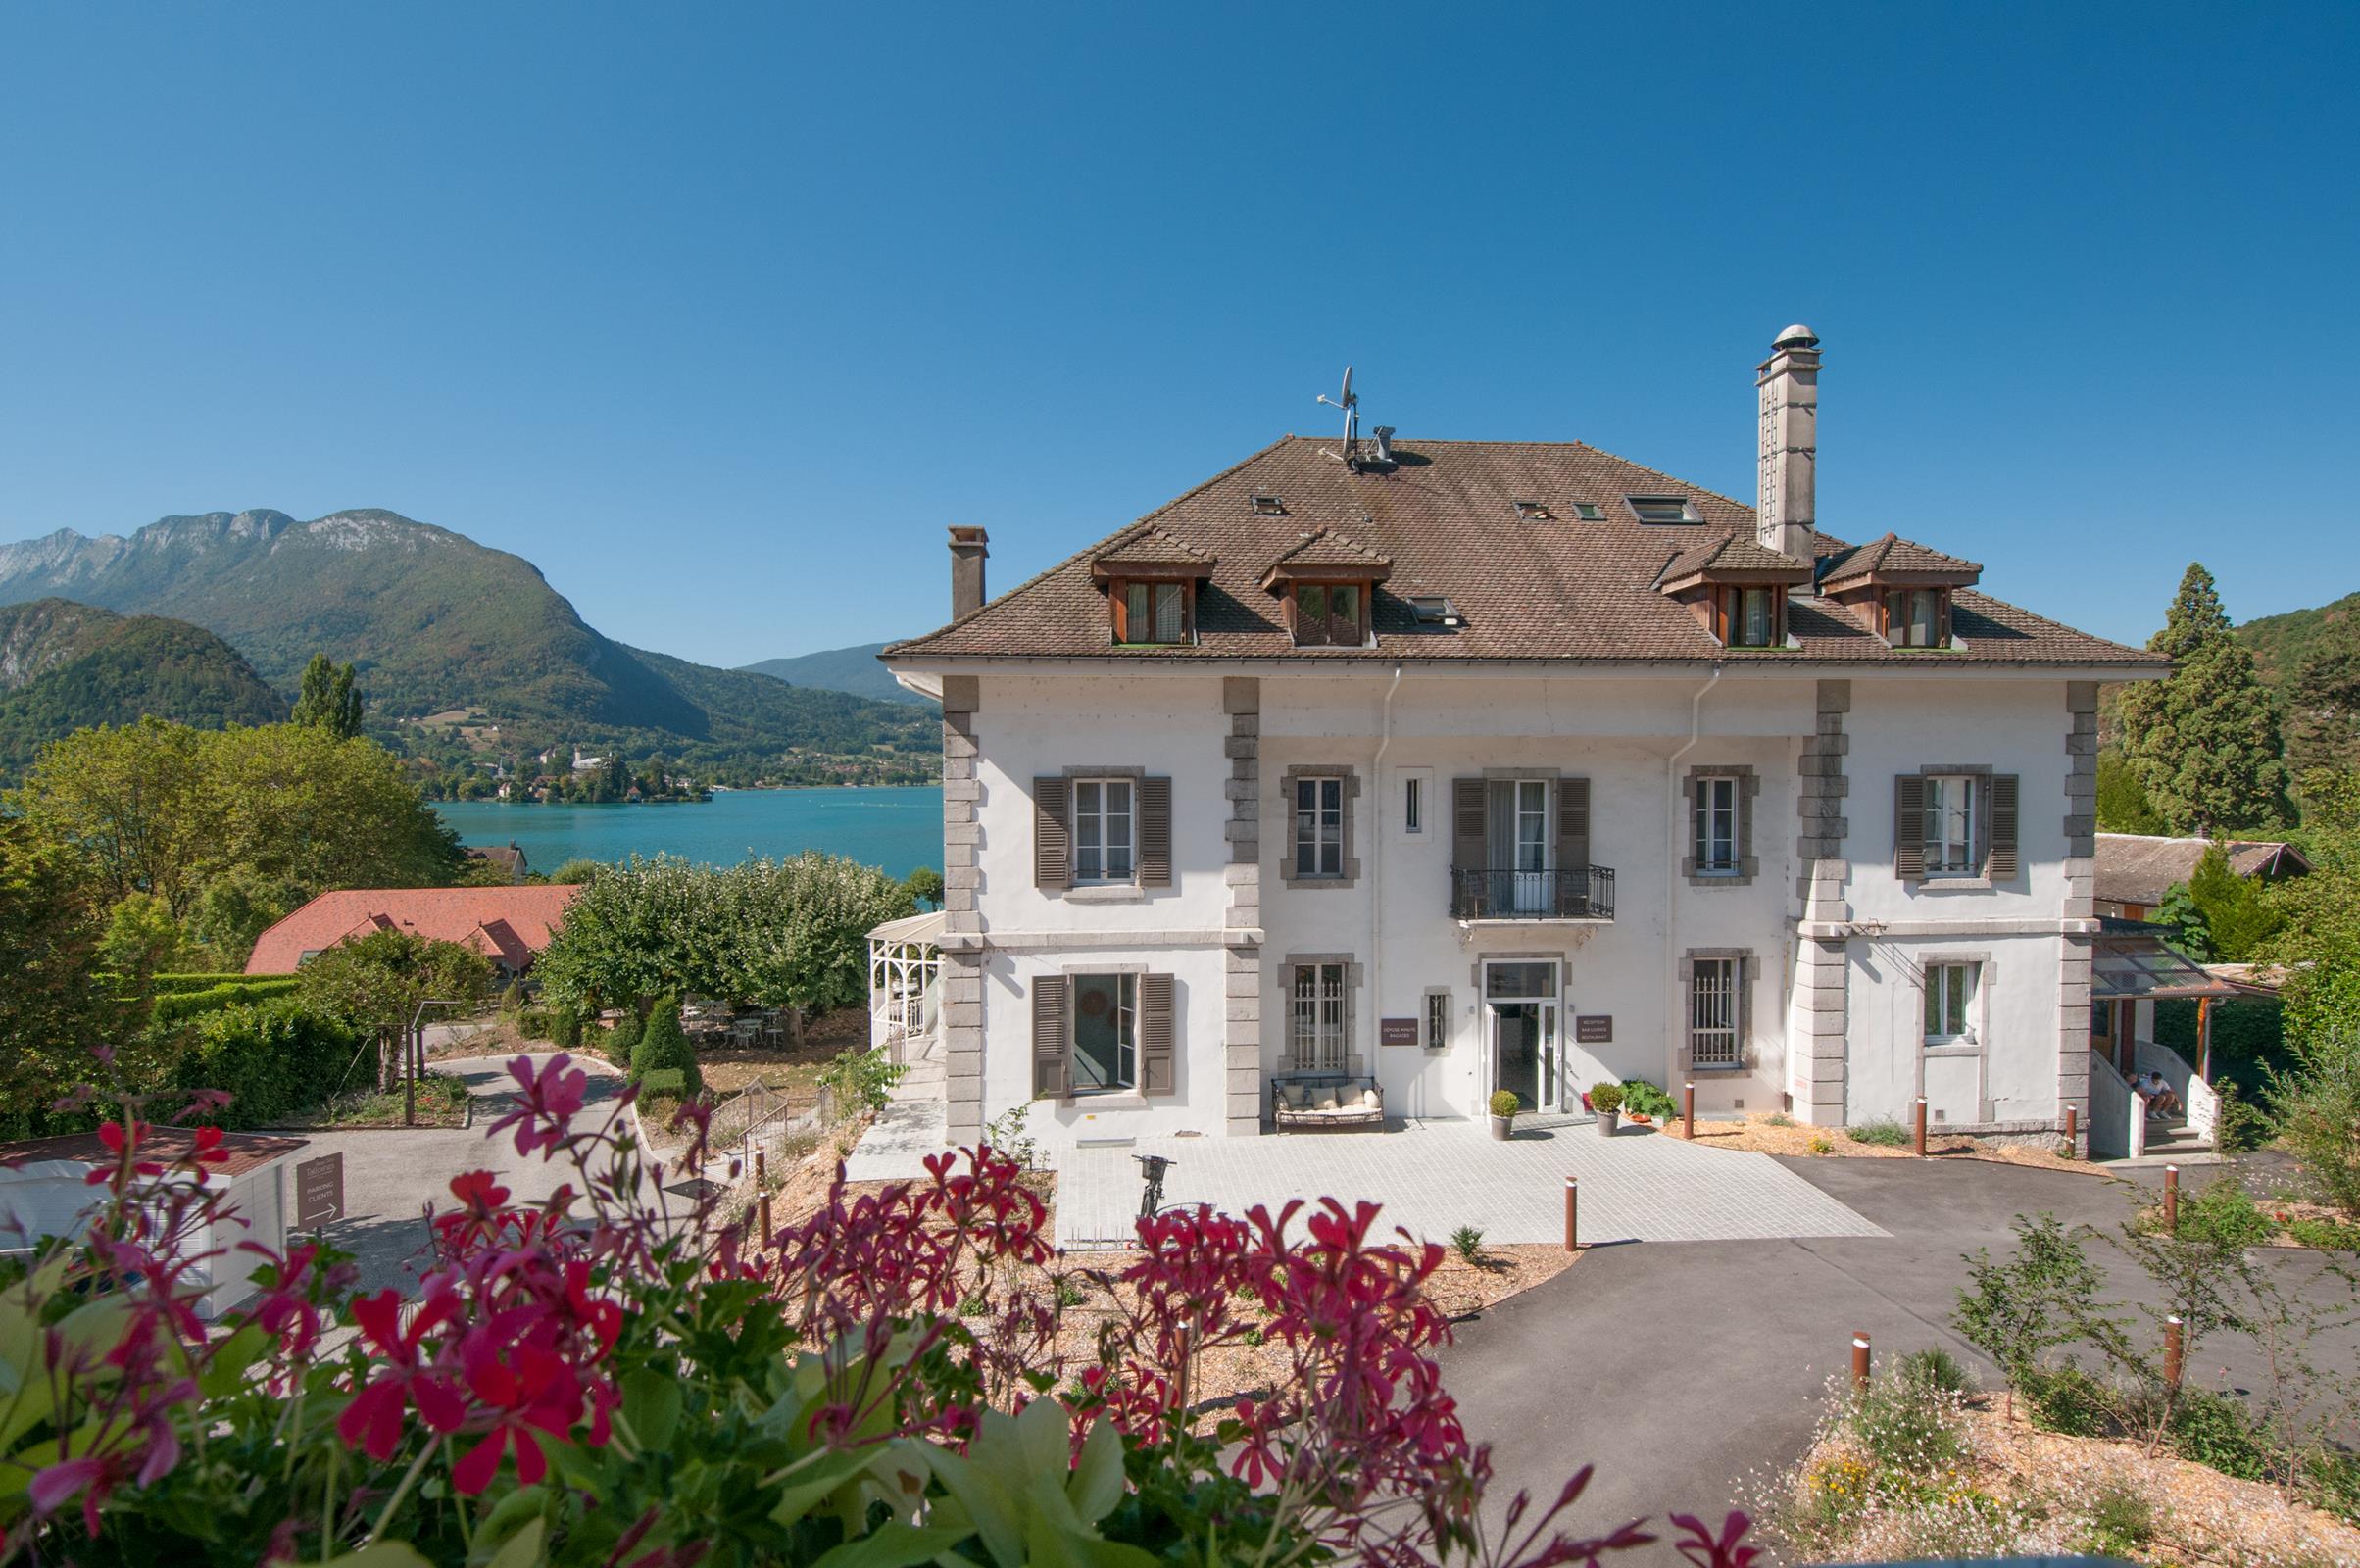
(1350, 405)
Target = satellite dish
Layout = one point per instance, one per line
(1347, 401)
(1350, 405)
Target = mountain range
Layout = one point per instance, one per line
(64, 665)
(473, 638)
(842, 669)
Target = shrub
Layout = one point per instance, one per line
(1820, 1145)
(664, 1043)
(658, 1081)
(2212, 1429)
(1607, 1097)
(860, 1079)
(534, 1023)
(1467, 1243)
(2334, 1234)
(2221, 1216)
(2068, 1399)
(1506, 1102)
(1006, 1132)
(2121, 1522)
(1069, 1292)
(274, 1059)
(2317, 1108)
(566, 1027)
(1778, 1118)
(623, 1038)
(512, 1000)
(178, 1006)
(1882, 1134)
(1937, 1368)
(1643, 1098)
(1907, 1423)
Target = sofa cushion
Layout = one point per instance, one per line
(1326, 1099)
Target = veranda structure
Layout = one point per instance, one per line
(905, 964)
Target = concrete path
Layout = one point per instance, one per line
(391, 1175)
(1433, 1177)
(914, 1123)
(1684, 1371)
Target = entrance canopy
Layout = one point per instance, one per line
(2131, 961)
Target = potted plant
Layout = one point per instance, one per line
(1606, 1101)
(1505, 1105)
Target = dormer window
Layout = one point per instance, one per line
(1663, 509)
(1753, 615)
(1329, 614)
(1154, 613)
(1915, 617)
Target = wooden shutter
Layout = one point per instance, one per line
(1051, 1077)
(1468, 808)
(1155, 1034)
(1908, 826)
(1573, 824)
(1119, 597)
(2001, 859)
(1154, 832)
(1053, 835)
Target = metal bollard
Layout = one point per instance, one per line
(762, 1210)
(2171, 1350)
(2171, 1200)
(1688, 1112)
(2072, 1117)
(1860, 1359)
(1921, 1127)
(761, 1172)
(1572, 1211)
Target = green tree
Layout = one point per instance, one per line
(54, 1016)
(662, 1045)
(2205, 740)
(2122, 806)
(377, 982)
(925, 884)
(142, 938)
(2237, 909)
(575, 871)
(2318, 948)
(235, 908)
(2191, 931)
(131, 798)
(2323, 728)
(328, 700)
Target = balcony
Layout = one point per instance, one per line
(1586, 894)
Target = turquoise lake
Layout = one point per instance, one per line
(898, 829)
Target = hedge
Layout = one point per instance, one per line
(275, 1060)
(175, 1006)
(167, 984)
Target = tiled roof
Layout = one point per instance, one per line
(162, 1145)
(2141, 867)
(1445, 517)
(1324, 547)
(509, 923)
(1149, 545)
(1732, 552)
(1893, 552)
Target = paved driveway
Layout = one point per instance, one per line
(1433, 1177)
(391, 1175)
(1682, 1369)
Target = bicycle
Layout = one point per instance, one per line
(1153, 1167)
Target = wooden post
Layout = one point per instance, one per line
(2204, 1038)
(763, 1210)
(1921, 1127)
(2171, 1350)
(409, 1078)
(1688, 1110)
(2071, 1115)
(2171, 1200)
(1573, 1195)
(1860, 1359)
(762, 1174)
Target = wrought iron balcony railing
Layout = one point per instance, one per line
(1483, 894)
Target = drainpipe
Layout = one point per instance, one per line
(1673, 816)
(1380, 808)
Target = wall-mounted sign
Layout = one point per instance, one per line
(319, 1192)
(1396, 1032)
(1594, 1029)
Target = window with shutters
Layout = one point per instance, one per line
(1106, 1032)
(1951, 998)
(1319, 827)
(1716, 1011)
(1956, 824)
(1520, 849)
(1105, 848)
(1315, 1018)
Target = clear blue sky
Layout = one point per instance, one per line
(719, 315)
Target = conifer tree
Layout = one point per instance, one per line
(2204, 741)
(2323, 728)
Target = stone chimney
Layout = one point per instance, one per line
(967, 552)
(1784, 515)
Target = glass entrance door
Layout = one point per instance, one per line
(1525, 1055)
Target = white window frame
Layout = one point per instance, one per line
(1716, 987)
(1944, 981)
(1413, 803)
(1434, 1024)
(1718, 800)
(1127, 1030)
(1101, 819)
(1320, 829)
(1318, 1020)
(1952, 800)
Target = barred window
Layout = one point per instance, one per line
(1315, 1018)
(1712, 1011)
(1437, 1021)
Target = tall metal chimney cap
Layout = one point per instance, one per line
(1798, 336)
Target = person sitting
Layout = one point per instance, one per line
(2156, 1090)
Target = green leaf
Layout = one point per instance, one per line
(813, 1484)
(894, 1544)
(382, 1555)
(225, 1372)
(986, 1501)
(1097, 1483)
(651, 1404)
(524, 1549)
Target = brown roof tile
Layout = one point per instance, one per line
(1444, 517)
(507, 923)
(1893, 553)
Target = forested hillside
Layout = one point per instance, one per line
(65, 666)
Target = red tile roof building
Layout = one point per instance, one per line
(508, 925)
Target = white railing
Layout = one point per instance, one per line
(2201, 1100)
(2118, 1122)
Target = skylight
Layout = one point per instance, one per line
(1534, 511)
(1433, 609)
(1589, 512)
(1266, 505)
(1663, 509)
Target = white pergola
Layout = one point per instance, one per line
(904, 958)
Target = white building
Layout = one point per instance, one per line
(1464, 765)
